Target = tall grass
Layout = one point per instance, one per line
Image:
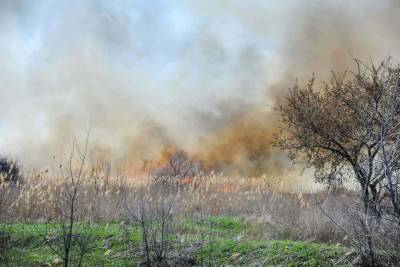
(104, 199)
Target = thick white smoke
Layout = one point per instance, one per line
(193, 74)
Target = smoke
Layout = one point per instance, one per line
(190, 74)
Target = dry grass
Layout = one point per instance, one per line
(283, 215)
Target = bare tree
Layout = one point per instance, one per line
(178, 167)
(350, 129)
(66, 238)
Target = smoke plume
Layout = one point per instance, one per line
(198, 75)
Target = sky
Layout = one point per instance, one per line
(150, 73)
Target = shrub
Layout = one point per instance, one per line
(10, 171)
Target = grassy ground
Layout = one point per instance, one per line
(214, 241)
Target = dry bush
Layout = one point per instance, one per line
(155, 211)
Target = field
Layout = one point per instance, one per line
(212, 221)
(199, 133)
(226, 241)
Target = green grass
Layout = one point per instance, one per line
(107, 241)
(273, 252)
(226, 242)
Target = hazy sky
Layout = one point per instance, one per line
(156, 72)
(82, 58)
